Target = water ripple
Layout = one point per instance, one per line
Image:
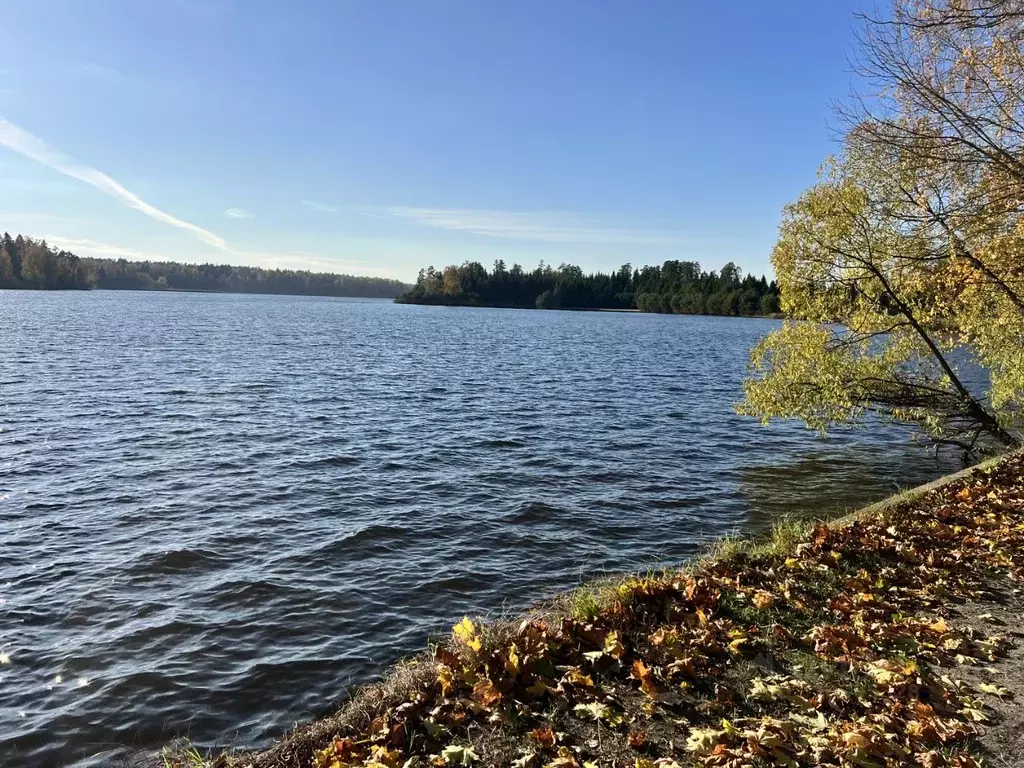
(217, 513)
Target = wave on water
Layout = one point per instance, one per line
(216, 539)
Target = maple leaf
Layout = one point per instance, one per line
(974, 713)
(544, 736)
(446, 678)
(485, 692)
(458, 755)
(645, 675)
(995, 690)
(512, 661)
(703, 740)
(613, 646)
(466, 632)
(575, 676)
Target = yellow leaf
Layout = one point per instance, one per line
(446, 678)
(702, 740)
(736, 646)
(458, 755)
(466, 632)
(995, 690)
(575, 676)
(612, 646)
(512, 663)
(855, 740)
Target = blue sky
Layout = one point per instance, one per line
(377, 137)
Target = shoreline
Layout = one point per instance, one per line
(626, 310)
(392, 299)
(194, 290)
(564, 666)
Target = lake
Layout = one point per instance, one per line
(218, 512)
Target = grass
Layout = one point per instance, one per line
(779, 540)
(183, 755)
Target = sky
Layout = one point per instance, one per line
(378, 137)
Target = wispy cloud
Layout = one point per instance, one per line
(237, 213)
(24, 143)
(319, 207)
(84, 246)
(536, 226)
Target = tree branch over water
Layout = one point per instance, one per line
(913, 239)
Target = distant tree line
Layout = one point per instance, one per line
(680, 287)
(28, 263)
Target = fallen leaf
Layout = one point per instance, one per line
(458, 755)
(466, 632)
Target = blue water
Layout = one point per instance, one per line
(218, 512)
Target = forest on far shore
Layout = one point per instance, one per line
(28, 263)
(679, 287)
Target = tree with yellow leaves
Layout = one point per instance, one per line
(908, 256)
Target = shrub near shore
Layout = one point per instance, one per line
(830, 646)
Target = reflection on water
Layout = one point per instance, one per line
(221, 511)
(841, 480)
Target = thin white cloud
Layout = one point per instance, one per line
(536, 227)
(84, 246)
(237, 213)
(317, 263)
(319, 207)
(24, 143)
